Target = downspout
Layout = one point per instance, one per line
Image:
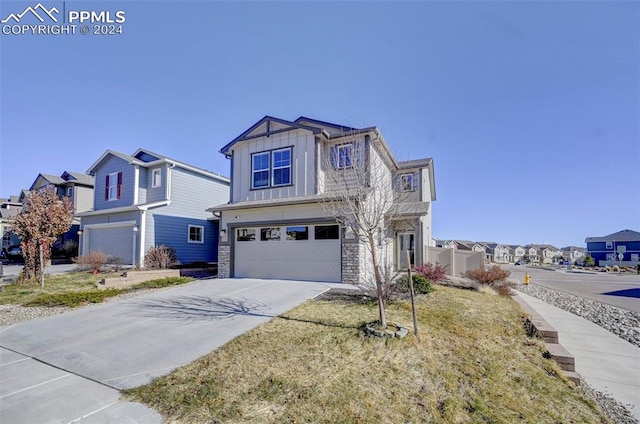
(136, 184)
(168, 190)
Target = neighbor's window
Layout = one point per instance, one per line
(407, 182)
(70, 191)
(113, 186)
(271, 233)
(608, 245)
(260, 170)
(156, 178)
(327, 232)
(196, 234)
(281, 167)
(246, 234)
(298, 233)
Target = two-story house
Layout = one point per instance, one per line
(276, 223)
(548, 254)
(497, 252)
(516, 252)
(622, 247)
(574, 254)
(145, 200)
(74, 185)
(9, 208)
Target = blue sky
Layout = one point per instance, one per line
(531, 110)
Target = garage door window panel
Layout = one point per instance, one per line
(246, 234)
(270, 234)
(327, 232)
(298, 233)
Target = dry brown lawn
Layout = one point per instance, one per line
(472, 364)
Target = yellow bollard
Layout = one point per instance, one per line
(526, 278)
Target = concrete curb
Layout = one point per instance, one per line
(537, 326)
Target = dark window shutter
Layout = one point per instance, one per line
(106, 189)
(119, 184)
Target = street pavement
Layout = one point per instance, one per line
(606, 362)
(70, 367)
(620, 290)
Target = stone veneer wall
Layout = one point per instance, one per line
(350, 262)
(224, 261)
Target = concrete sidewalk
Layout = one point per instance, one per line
(70, 367)
(606, 362)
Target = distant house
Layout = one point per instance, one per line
(145, 200)
(606, 250)
(516, 252)
(497, 252)
(547, 253)
(74, 185)
(531, 254)
(574, 254)
(9, 208)
(274, 225)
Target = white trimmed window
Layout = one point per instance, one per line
(113, 186)
(70, 191)
(608, 245)
(156, 178)
(341, 156)
(196, 234)
(407, 182)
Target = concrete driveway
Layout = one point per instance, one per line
(69, 367)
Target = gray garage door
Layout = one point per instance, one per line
(293, 252)
(112, 241)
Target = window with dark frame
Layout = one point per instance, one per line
(260, 170)
(281, 167)
(327, 232)
(270, 234)
(246, 234)
(298, 233)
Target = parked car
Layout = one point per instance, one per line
(519, 263)
(14, 254)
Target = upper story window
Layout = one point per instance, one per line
(196, 234)
(608, 245)
(271, 169)
(408, 182)
(281, 167)
(113, 186)
(260, 170)
(341, 156)
(156, 178)
(70, 191)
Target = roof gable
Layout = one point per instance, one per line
(265, 127)
(624, 235)
(109, 153)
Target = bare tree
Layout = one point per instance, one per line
(43, 218)
(359, 193)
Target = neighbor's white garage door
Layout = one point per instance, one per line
(112, 241)
(304, 252)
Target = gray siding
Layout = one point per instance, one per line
(113, 164)
(83, 198)
(111, 218)
(143, 183)
(192, 194)
(156, 194)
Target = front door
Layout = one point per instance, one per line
(406, 248)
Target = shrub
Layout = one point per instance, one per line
(161, 257)
(114, 262)
(73, 299)
(494, 277)
(615, 268)
(432, 272)
(163, 282)
(92, 261)
(421, 285)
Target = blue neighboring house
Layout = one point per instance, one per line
(145, 200)
(605, 250)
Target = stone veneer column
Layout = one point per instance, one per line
(224, 261)
(350, 261)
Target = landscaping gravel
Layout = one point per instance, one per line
(621, 322)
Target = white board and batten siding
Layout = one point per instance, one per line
(303, 175)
